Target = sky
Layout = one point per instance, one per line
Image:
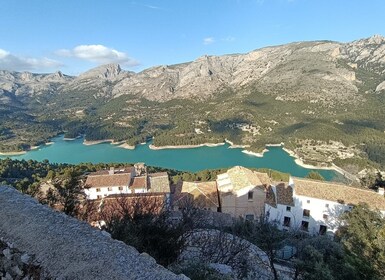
(72, 36)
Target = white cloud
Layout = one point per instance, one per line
(208, 40)
(99, 54)
(13, 62)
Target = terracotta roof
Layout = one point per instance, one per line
(263, 177)
(158, 174)
(159, 182)
(284, 194)
(204, 194)
(338, 192)
(98, 181)
(241, 177)
(138, 183)
(270, 196)
(116, 171)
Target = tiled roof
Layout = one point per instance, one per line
(242, 177)
(159, 182)
(204, 194)
(270, 196)
(263, 177)
(116, 171)
(338, 192)
(284, 194)
(138, 183)
(98, 181)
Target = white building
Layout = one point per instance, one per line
(314, 206)
(107, 182)
(125, 181)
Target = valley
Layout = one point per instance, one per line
(324, 100)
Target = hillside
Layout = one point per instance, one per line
(324, 100)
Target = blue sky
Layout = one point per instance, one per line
(76, 35)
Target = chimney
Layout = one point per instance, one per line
(112, 171)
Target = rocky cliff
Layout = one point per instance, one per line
(321, 70)
(65, 248)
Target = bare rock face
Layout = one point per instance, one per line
(99, 80)
(29, 84)
(367, 53)
(321, 71)
(381, 87)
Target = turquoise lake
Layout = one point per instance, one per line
(194, 159)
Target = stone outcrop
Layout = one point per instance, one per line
(380, 87)
(66, 248)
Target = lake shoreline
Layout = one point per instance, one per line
(153, 147)
(21, 152)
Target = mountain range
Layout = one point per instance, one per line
(280, 93)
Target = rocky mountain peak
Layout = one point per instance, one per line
(107, 71)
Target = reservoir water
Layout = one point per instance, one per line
(193, 159)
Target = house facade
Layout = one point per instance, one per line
(242, 192)
(131, 180)
(315, 206)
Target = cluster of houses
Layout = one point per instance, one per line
(300, 204)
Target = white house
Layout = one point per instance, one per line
(314, 206)
(107, 182)
(129, 180)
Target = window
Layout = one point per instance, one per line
(288, 208)
(305, 226)
(250, 196)
(322, 230)
(325, 216)
(327, 205)
(249, 217)
(120, 188)
(98, 189)
(308, 201)
(286, 221)
(98, 196)
(110, 189)
(306, 213)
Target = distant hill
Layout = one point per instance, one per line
(298, 93)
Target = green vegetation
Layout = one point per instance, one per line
(315, 176)
(191, 122)
(363, 236)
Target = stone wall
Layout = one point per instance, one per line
(66, 248)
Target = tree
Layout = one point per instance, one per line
(363, 236)
(143, 223)
(265, 235)
(320, 257)
(315, 176)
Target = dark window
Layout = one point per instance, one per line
(110, 189)
(327, 205)
(250, 195)
(249, 217)
(288, 208)
(286, 221)
(98, 190)
(305, 225)
(325, 216)
(120, 188)
(322, 230)
(99, 196)
(308, 201)
(306, 213)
